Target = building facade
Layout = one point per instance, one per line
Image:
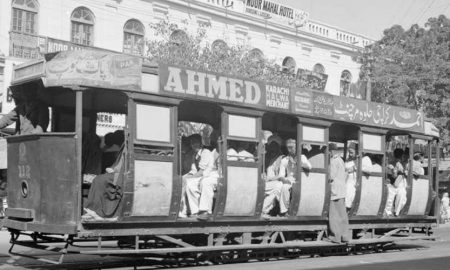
(29, 28)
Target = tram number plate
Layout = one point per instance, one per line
(24, 171)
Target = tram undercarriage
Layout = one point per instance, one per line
(200, 243)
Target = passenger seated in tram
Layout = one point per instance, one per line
(351, 169)
(272, 174)
(31, 115)
(232, 154)
(91, 157)
(397, 187)
(113, 144)
(288, 167)
(376, 164)
(316, 156)
(243, 154)
(105, 193)
(201, 180)
(417, 168)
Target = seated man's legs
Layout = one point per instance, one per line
(285, 198)
(103, 199)
(272, 193)
(207, 187)
(193, 193)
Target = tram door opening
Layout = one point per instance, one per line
(201, 158)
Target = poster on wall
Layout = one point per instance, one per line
(312, 80)
(302, 101)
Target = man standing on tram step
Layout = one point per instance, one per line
(288, 167)
(30, 114)
(337, 219)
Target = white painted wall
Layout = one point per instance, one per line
(111, 15)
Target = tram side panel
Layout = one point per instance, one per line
(43, 185)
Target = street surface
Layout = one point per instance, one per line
(412, 255)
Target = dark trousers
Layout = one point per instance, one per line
(104, 196)
(338, 221)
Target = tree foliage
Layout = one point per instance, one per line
(411, 68)
(194, 51)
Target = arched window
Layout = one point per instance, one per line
(319, 68)
(82, 26)
(289, 64)
(255, 55)
(133, 37)
(219, 46)
(24, 16)
(178, 37)
(346, 79)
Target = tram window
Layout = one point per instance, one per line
(313, 134)
(241, 151)
(153, 123)
(372, 163)
(420, 163)
(371, 142)
(315, 154)
(241, 126)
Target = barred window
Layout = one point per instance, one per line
(24, 15)
(289, 64)
(133, 37)
(178, 37)
(319, 68)
(82, 26)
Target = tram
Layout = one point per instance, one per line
(46, 192)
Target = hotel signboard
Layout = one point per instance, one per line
(276, 12)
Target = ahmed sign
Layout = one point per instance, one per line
(276, 11)
(201, 85)
(221, 88)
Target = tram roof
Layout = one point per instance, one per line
(106, 70)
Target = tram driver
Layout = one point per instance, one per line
(31, 115)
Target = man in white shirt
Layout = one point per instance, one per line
(288, 168)
(203, 166)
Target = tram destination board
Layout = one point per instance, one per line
(188, 82)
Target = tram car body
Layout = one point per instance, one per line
(45, 178)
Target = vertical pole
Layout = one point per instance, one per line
(437, 202)
(79, 137)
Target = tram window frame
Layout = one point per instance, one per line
(368, 149)
(170, 142)
(254, 138)
(426, 156)
(323, 144)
